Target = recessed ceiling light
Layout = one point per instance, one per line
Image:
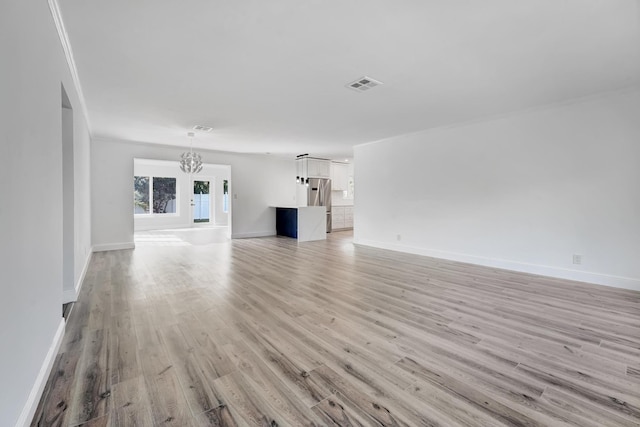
(363, 84)
(202, 128)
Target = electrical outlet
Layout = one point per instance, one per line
(398, 237)
(577, 259)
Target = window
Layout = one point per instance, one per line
(164, 195)
(157, 193)
(225, 196)
(348, 193)
(140, 194)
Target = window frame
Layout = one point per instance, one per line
(152, 214)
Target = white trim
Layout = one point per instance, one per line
(114, 246)
(29, 409)
(87, 261)
(253, 234)
(153, 227)
(72, 295)
(144, 216)
(542, 270)
(68, 53)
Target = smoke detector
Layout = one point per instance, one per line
(363, 84)
(202, 128)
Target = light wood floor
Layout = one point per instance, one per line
(268, 332)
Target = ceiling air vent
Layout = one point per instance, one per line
(363, 84)
(202, 128)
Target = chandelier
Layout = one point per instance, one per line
(190, 162)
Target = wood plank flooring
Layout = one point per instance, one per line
(269, 332)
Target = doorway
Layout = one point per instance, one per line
(194, 201)
(68, 201)
(202, 202)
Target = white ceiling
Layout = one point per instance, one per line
(269, 76)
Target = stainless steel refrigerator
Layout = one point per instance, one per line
(319, 194)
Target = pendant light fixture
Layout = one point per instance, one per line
(190, 162)
(301, 165)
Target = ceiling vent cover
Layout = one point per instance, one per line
(202, 128)
(363, 84)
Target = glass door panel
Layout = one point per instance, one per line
(201, 201)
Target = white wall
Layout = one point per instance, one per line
(184, 189)
(33, 70)
(220, 217)
(257, 182)
(68, 200)
(523, 192)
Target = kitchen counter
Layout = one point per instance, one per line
(305, 223)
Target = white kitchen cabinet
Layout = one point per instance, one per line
(318, 168)
(341, 217)
(348, 217)
(337, 217)
(339, 176)
(313, 168)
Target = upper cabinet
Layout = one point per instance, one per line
(318, 168)
(313, 168)
(339, 176)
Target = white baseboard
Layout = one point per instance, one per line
(114, 247)
(542, 270)
(31, 405)
(253, 234)
(72, 295)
